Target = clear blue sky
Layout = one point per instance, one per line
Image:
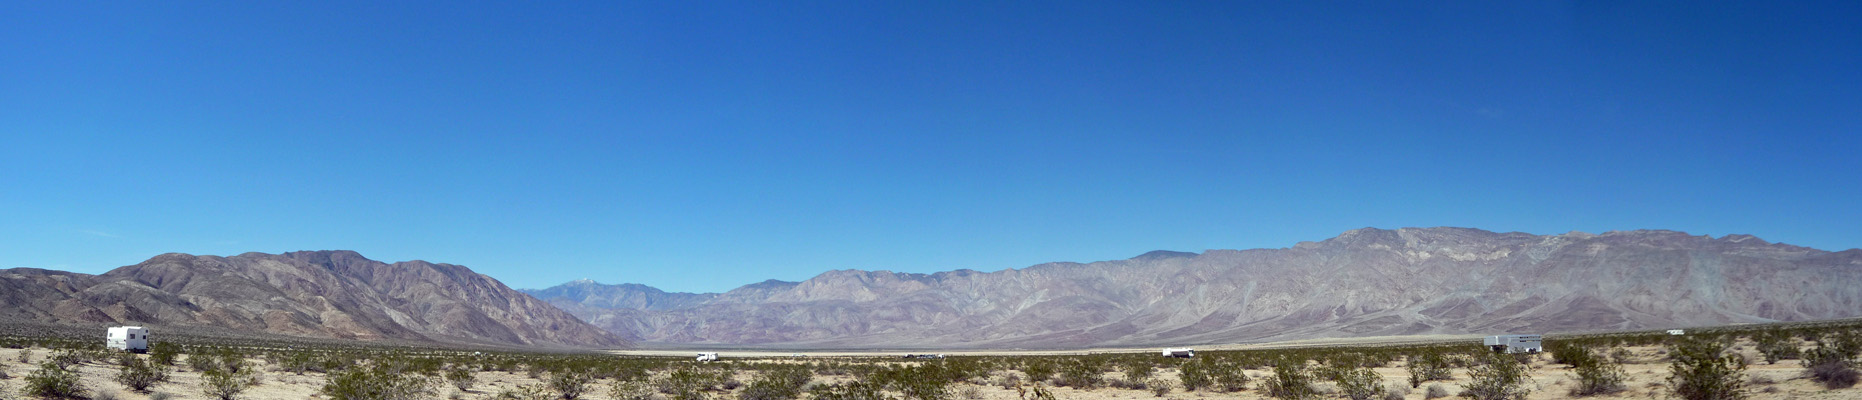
(698, 146)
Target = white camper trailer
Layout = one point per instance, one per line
(1179, 353)
(128, 338)
(1514, 343)
(707, 356)
(1676, 332)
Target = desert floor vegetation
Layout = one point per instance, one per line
(1788, 361)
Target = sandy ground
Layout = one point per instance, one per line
(1647, 371)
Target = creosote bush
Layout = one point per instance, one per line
(1596, 375)
(1290, 381)
(140, 375)
(1360, 383)
(228, 382)
(687, 383)
(1777, 346)
(1080, 374)
(376, 382)
(1159, 387)
(1701, 372)
(164, 353)
(856, 390)
(53, 381)
(1428, 367)
(1138, 369)
(1435, 391)
(782, 383)
(570, 385)
(1502, 377)
(461, 377)
(1194, 373)
(624, 389)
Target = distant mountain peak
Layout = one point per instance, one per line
(1163, 254)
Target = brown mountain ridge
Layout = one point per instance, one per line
(320, 294)
(1365, 282)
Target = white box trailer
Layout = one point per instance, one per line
(128, 338)
(1676, 332)
(1179, 353)
(1515, 343)
(707, 357)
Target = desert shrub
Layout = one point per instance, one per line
(1138, 369)
(1500, 378)
(1360, 383)
(1598, 375)
(301, 362)
(1568, 353)
(570, 385)
(1700, 372)
(1777, 346)
(461, 377)
(228, 382)
(1834, 374)
(1038, 370)
(687, 383)
(526, 392)
(782, 383)
(1290, 381)
(53, 381)
(1080, 374)
(971, 392)
(24, 356)
(1621, 356)
(375, 383)
(1832, 363)
(1158, 387)
(623, 389)
(202, 362)
(856, 390)
(69, 357)
(926, 389)
(139, 375)
(164, 353)
(1435, 391)
(1227, 376)
(1194, 374)
(1428, 367)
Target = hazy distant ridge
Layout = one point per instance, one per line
(1362, 283)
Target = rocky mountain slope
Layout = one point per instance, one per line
(1365, 282)
(324, 294)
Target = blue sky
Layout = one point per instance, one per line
(701, 146)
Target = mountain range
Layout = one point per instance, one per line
(316, 294)
(1365, 282)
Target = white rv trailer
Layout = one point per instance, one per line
(1180, 353)
(128, 338)
(1676, 332)
(707, 356)
(1514, 343)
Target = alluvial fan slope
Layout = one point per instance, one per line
(1365, 282)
